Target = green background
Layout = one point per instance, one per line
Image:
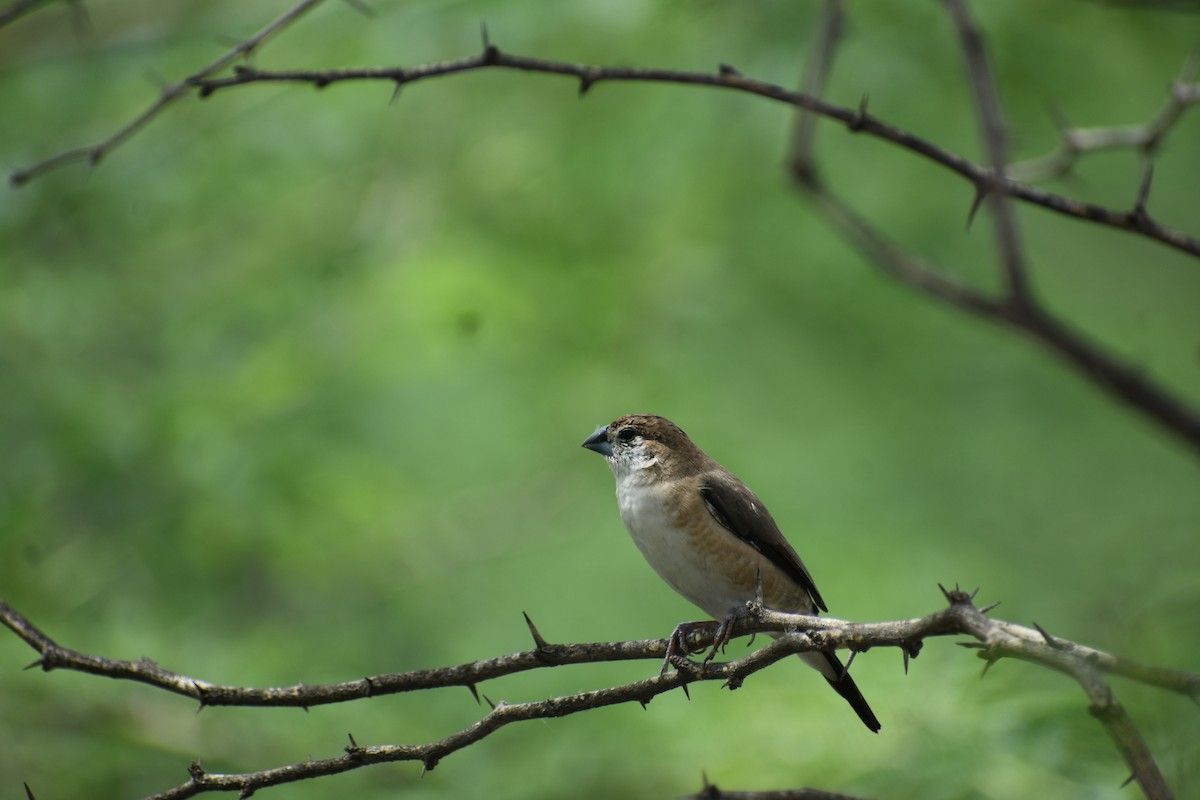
(294, 385)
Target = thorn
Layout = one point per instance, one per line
(704, 779)
(586, 81)
(1188, 74)
(645, 701)
(81, 21)
(686, 693)
(986, 666)
(396, 91)
(989, 607)
(975, 593)
(1061, 122)
(945, 592)
(753, 636)
(1053, 642)
(474, 693)
(38, 663)
(28, 792)
(1128, 780)
(727, 71)
(157, 79)
(361, 7)
(533, 631)
(911, 650)
(980, 195)
(488, 700)
(427, 764)
(1139, 207)
(859, 120)
(196, 771)
(491, 53)
(354, 750)
(201, 696)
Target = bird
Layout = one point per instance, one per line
(709, 536)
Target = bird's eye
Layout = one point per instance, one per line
(626, 434)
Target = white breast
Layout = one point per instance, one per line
(689, 569)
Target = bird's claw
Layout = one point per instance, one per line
(677, 646)
(724, 634)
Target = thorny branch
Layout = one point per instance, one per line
(169, 94)
(992, 638)
(856, 120)
(1018, 307)
(1146, 138)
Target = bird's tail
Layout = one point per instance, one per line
(831, 667)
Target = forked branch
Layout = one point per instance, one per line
(1017, 307)
(993, 639)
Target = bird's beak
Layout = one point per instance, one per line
(598, 441)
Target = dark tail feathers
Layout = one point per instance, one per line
(846, 687)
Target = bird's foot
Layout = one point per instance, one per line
(677, 646)
(724, 632)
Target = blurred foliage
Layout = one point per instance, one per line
(294, 384)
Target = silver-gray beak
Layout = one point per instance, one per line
(598, 441)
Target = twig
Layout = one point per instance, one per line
(856, 120)
(1120, 379)
(830, 23)
(18, 9)
(589, 75)
(92, 154)
(995, 140)
(1146, 138)
(54, 656)
(711, 792)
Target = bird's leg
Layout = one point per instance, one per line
(677, 645)
(724, 632)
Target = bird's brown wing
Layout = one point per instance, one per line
(740, 512)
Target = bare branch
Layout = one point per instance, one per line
(995, 140)
(712, 792)
(17, 9)
(589, 75)
(54, 656)
(92, 154)
(855, 120)
(830, 25)
(797, 633)
(1146, 138)
(1017, 309)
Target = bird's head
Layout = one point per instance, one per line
(643, 441)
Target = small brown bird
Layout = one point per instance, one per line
(707, 535)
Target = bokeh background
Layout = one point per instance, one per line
(294, 384)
